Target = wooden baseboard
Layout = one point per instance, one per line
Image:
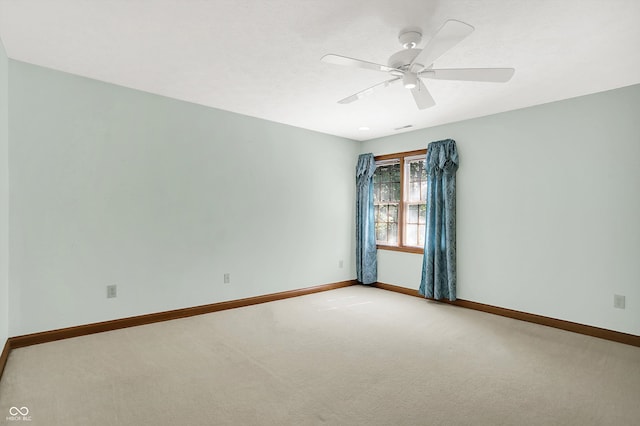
(398, 289)
(4, 356)
(82, 330)
(602, 333)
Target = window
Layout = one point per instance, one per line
(400, 192)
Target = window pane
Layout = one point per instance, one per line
(414, 191)
(411, 235)
(384, 174)
(393, 213)
(383, 213)
(421, 231)
(392, 235)
(414, 171)
(395, 192)
(394, 174)
(423, 190)
(381, 232)
(384, 192)
(422, 214)
(376, 213)
(412, 214)
(385, 181)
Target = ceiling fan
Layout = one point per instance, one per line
(411, 64)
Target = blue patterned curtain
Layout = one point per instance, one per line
(366, 260)
(439, 261)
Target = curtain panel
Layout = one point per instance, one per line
(439, 262)
(366, 256)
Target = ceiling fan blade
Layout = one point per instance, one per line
(449, 34)
(495, 75)
(367, 91)
(422, 96)
(354, 63)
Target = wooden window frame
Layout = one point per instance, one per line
(401, 219)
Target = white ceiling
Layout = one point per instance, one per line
(262, 58)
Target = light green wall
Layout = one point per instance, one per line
(4, 197)
(548, 209)
(114, 186)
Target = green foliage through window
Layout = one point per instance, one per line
(386, 198)
(399, 201)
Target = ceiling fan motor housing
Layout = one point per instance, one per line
(410, 37)
(402, 59)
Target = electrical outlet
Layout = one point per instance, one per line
(341, 264)
(618, 301)
(227, 278)
(112, 291)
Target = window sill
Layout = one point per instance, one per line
(416, 250)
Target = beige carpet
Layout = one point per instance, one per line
(352, 356)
